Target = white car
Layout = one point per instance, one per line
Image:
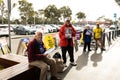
(49, 27)
(4, 30)
(112, 27)
(42, 28)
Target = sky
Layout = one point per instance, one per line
(92, 8)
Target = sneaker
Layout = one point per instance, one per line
(102, 49)
(55, 78)
(96, 49)
(90, 50)
(73, 64)
(64, 65)
(84, 50)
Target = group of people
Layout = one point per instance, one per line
(96, 34)
(36, 48)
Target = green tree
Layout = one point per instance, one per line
(52, 13)
(101, 18)
(109, 21)
(35, 16)
(65, 12)
(41, 15)
(2, 8)
(81, 15)
(26, 11)
(16, 21)
(104, 19)
(118, 2)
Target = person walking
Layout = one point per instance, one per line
(87, 35)
(36, 57)
(98, 36)
(66, 35)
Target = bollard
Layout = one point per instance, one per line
(103, 43)
(113, 35)
(118, 32)
(109, 38)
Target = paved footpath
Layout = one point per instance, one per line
(95, 66)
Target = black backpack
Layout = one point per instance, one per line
(57, 55)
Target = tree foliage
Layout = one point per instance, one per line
(81, 15)
(65, 12)
(26, 11)
(118, 2)
(52, 13)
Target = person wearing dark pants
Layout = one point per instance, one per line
(70, 52)
(87, 34)
(66, 35)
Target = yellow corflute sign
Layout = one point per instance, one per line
(1, 1)
(49, 41)
(81, 39)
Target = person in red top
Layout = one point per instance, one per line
(36, 57)
(66, 34)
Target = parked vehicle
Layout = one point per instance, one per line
(4, 30)
(56, 27)
(49, 27)
(112, 27)
(42, 28)
(24, 30)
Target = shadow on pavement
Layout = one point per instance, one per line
(63, 74)
(96, 57)
(82, 60)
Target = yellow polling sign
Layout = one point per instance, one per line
(1, 1)
(49, 41)
(81, 39)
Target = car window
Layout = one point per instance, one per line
(3, 26)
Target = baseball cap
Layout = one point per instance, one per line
(97, 23)
(87, 25)
(67, 19)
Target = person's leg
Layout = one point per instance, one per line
(52, 65)
(101, 42)
(84, 49)
(96, 44)
(70, 52)
(64, 50)
(89, 46)
(43, 67)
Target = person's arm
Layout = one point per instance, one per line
(94, 33)
(73, 31)
(32, 51)
(84, 34)
(62, 33)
